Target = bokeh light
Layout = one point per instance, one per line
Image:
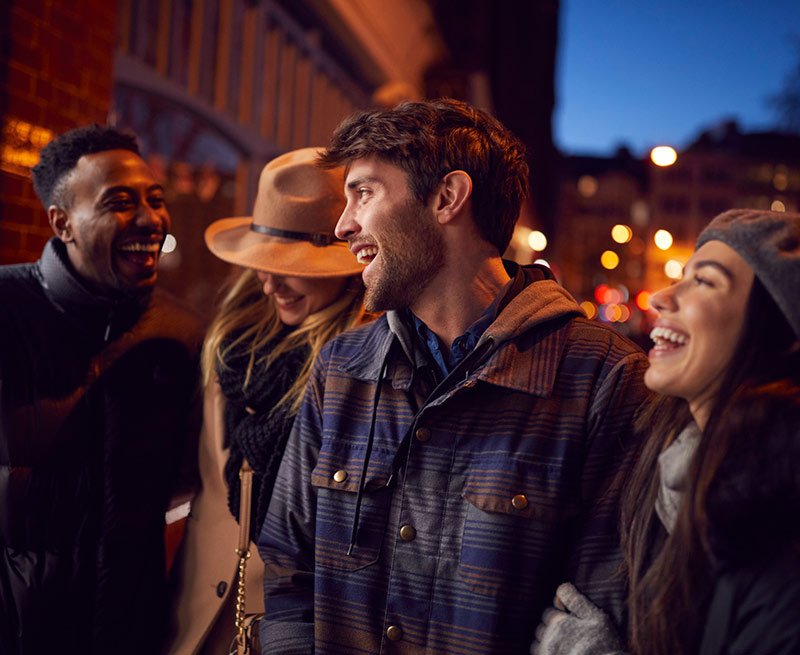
(587, 186)
(590, 308)
(537, 241)
(777, 206)
(643, 300)
(170, 243)
(621, 233)
(663, 156)
(663, 239)
(609, 259)
(612, 313)
(673, 268)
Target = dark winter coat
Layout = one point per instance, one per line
(95, 395)
(756, 609)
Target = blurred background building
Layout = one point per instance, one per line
(216, 88)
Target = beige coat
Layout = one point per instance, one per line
(205, 567)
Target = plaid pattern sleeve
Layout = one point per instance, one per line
(476, 504)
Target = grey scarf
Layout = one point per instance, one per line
(673, 468)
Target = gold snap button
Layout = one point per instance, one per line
(469, 383)
(519, 502)
(340, 476)
(408, 533)
(394, 633)
(423, 434)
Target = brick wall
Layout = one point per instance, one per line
(56, 61)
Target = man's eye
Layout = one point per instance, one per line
(120, 204)
(156, 202)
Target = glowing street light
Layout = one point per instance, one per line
(663, 239)
(621, 233)
(663, 156)
(643, 300)
(673, 268)
(609, 259)
(170, 243)
(537, 241)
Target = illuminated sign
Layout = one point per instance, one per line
(20, 146)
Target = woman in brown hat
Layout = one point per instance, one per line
(300, 288)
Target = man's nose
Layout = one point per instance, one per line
(153, 217)
(346, 227)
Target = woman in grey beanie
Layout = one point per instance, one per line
(711, 515)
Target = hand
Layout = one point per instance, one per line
(575, 626)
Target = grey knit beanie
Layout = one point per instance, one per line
(770, 243)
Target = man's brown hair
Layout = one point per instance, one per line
(428, 140)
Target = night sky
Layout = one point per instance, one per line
(644, 72)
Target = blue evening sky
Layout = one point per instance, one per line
(650, 72)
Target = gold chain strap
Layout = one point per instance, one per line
(243, 551)
(241, 635)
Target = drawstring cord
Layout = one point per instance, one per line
(365, 465)
(471, 362)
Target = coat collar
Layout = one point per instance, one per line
(93, 311)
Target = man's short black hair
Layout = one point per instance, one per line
(61, 155)
(430, 139)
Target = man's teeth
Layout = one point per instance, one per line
(141, 247)
(663, 335)
(366, 254)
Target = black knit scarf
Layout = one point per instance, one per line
(252, 429)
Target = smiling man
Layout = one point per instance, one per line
(457, 458)
(97, 380)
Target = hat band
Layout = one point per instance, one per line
(317, 238)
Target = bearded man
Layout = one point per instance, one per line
(457, 458)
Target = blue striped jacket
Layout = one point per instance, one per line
(477, 499)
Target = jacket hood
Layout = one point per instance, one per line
(541, 300)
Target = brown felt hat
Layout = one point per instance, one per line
(291, 229)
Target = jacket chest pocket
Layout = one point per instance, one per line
(336, 481)
(515, 526)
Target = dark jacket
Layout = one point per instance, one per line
(94, 399)
(755, 610)
(476, 499)
(753, 511)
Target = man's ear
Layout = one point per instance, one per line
(60, 224)
(452, 196)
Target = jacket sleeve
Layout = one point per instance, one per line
(595, 553)
(286, 542)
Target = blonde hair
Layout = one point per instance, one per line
(245, 309)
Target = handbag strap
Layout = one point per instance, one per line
(243, 551)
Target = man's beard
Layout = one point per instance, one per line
(411, 254)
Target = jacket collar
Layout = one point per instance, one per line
(526, 338)
(93, 311)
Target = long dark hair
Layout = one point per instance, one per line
(667, 586)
